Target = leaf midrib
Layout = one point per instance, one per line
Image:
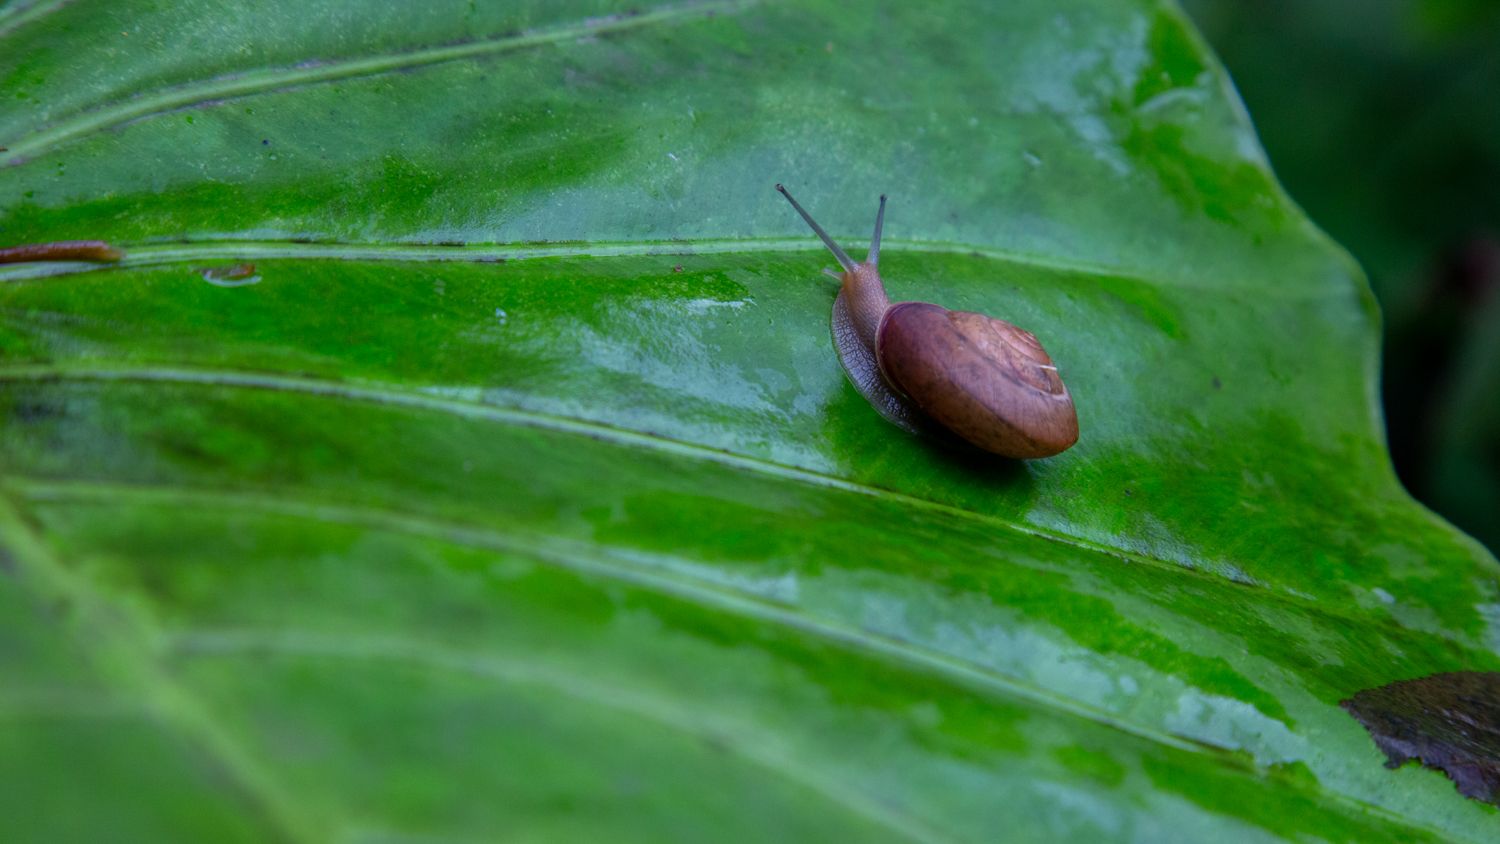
(159, 255)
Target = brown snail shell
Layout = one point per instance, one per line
(920, 365)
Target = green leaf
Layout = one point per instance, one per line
(522, 495)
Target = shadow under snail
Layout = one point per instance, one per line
(981, 378)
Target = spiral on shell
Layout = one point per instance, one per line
(982, 378)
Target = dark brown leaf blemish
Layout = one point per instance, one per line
(1449, 722)
(61, 250)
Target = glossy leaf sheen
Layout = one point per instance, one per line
(577, 530)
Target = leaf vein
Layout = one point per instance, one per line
(598, 562)
(263, 80)
(20, 14)
(385, 395)
(122, 646)
(570, 556)
(756, 748)
(155, 255)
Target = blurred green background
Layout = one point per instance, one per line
(1382, 119)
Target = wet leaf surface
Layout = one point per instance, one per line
(523, 494)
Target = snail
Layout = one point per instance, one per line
(983, 379)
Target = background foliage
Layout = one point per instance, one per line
(1379, 117)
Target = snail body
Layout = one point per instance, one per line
(983, 379)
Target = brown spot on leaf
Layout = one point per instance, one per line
(1449, 722)
(61, 250)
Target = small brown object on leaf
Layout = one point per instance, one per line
(235, 275)
(61, 250)
(231, 273)
(923, 366)
(1450, 722)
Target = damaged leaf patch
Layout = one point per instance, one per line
(1450, 722)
